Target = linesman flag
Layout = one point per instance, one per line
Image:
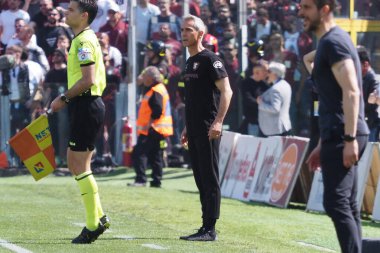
(34, 146)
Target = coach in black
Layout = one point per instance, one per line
(207, 97)
(343, 130)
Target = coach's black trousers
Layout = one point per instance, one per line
(340, 190)
(204, 155)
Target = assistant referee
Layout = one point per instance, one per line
(86, 82)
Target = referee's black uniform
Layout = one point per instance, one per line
(202, 102)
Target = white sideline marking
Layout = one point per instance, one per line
(315, 246)
(124, 237)
(153, 246)
(13, 247)
(79, 224)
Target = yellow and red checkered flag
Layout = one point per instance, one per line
(34, 146)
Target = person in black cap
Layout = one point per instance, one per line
(155, 55)
(370, 86)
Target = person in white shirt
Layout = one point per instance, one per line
(144, 12)
(7, 20)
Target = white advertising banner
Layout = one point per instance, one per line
(227, 143)
(315, 201)
(247, 169)
(241, 158)
(271, 151)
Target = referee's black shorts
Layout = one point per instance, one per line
(86, 117)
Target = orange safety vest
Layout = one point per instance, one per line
(164, 124)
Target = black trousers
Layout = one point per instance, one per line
(148, 150)
(204, 156)
(340, 190)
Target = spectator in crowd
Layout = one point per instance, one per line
(155, 52)
(255, 53)
(224, 18)
(164, 17)
(206, 16)
(48, 36)
(15, 84)
(277, 52)
(40, 19)
(264, 27)
(250, 88)
(274, 103)
(278, 10)
(300, 43)
(230, 34)
(7, 21)
(32, 7)
(56, 83)
(19, 23)
(105, 145)
(210, 42)
(154, 124)
(117, 29)
(63, 42)
(36, 78)
(174, 46)
(144, 12)
(296, 40)
(214, 7)
(371, 87)
(251, 13)
(177, 9)
(102, 15)
(113, 54)
(229, 54)
(35, 52)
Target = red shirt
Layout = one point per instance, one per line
(118, 35)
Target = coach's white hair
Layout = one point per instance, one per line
(198, 23)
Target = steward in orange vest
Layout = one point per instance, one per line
(154, 124)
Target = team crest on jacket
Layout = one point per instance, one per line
(195, 65)
(218, 64)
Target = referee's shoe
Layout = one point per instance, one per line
(87, 236)
(203, 235)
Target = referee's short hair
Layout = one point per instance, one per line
(198, 23)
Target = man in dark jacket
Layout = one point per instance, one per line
(370, 85)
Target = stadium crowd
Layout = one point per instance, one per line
(35, 33)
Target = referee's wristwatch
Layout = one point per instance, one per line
(349, 138)
(65, 99)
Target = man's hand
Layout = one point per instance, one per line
(372, 97)
(215, 130)
(350, 153)
(57, 104)
(314, 159)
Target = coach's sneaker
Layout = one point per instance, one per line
(87, 236)
(105, 221)
(202, 235)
